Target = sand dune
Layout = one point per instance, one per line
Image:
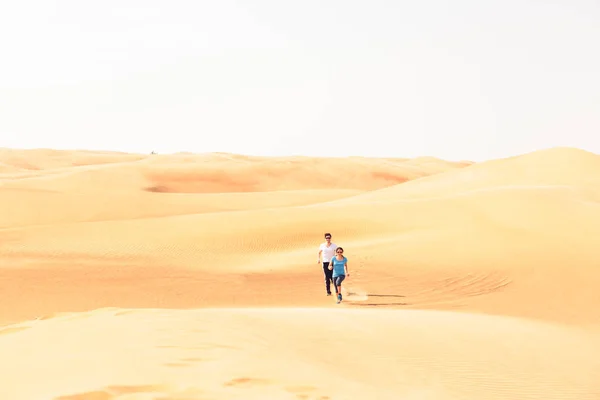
(46, 159)
(506, 251)
(296, 354)
(562, 168)
(121, 186)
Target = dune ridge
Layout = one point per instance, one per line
(449, 261)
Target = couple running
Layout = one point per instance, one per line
(335, 266)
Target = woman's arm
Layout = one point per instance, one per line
(346, 266)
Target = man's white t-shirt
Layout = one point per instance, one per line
(327, 252)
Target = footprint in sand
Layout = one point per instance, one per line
(247, 382)
(305, 392)
(113, 392)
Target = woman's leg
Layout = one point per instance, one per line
(338, 287)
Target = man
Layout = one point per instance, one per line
(326, 253)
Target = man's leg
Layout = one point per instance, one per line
(327, 274)
(330, 280)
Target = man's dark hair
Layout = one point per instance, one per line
(327, 234)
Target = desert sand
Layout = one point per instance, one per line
(194, 276)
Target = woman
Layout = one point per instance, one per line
(339, 265)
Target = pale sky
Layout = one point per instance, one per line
(455, 79)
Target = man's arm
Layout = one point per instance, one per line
(319, 256)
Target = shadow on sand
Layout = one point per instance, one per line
(380, 304)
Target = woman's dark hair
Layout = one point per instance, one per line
(339, 248)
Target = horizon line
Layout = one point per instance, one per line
(187, 152)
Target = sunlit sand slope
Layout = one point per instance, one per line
(572, 170)
(296, 354)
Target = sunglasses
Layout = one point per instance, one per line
(340, 252)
